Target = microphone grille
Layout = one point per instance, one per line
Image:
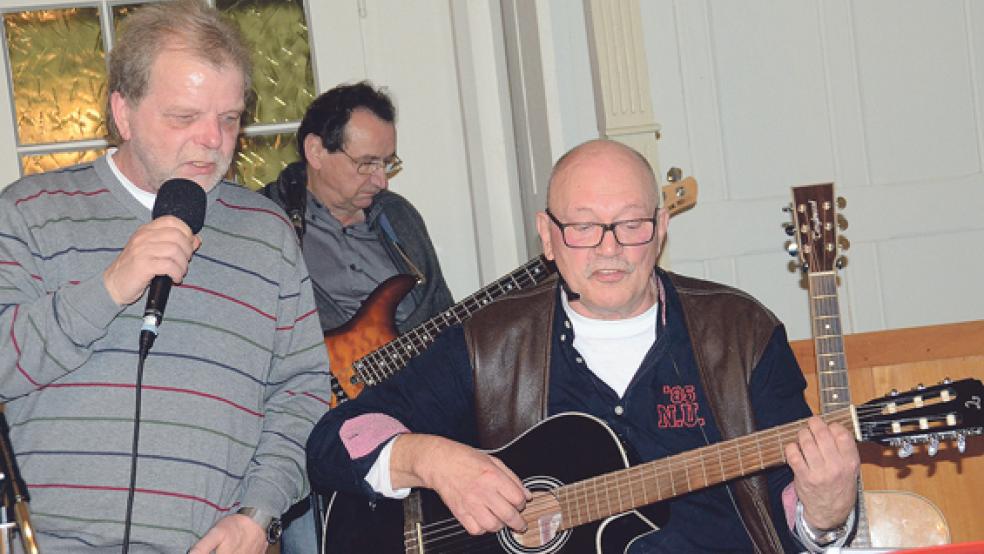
(184, 199)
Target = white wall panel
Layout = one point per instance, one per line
(771, 95)
(915, 292)
(722, 270)
(975, 29)
(883, 98)
(693, 269)
(917, 101)
(767, 277)
(574, 105)
(860, 292)
(666, 86)
(850, 165)
(409, 48)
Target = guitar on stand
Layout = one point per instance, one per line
(885, 518)
(367, 350)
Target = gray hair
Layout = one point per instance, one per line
(183, 24)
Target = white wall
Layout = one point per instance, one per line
(409, 48)
(882, 97)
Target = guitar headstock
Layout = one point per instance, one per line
(679, 194)
(814, 228)
(948, 411)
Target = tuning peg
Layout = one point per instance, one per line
(789, 228)
(674, 174)
(841, 262)
(788, 208)
(841, 222)
(920, 386)
(843, 244)
(893, 392)
(961, 442)
(946, 381)
(905, 450)
(841, 203)
(792, 248)
(934, 445)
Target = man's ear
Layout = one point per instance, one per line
(543, 229)
(121, 114)
(314, 150)
(662, 223)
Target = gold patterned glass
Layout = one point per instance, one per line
(58, 71)
(120, 12)
(39, 163)
(260, 159)
(277, 34)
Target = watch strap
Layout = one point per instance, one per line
(270, 523)
(822, 537)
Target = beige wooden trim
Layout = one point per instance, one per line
(618, 62)
(901, 359)
(620, 75)
(897, 346)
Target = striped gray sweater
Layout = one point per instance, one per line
(232, 388)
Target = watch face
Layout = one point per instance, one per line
(274, 531)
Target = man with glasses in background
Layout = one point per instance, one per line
(669, 363)
(354, 232)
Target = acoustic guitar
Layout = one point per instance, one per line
(881, 514)
(584, 487)
(367, 349)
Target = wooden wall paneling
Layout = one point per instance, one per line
(901, 359)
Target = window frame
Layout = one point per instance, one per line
(10, 144)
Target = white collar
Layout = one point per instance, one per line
(142, 196)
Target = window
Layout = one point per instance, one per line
(57, 75)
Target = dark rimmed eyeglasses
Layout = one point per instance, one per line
(390, 166)
(588, 234)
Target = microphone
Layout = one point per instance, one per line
(571, 295)
(185, 200)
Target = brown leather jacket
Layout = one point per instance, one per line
(509, 344)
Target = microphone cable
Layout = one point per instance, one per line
(131, 489)
(184, 199)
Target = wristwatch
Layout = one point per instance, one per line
(266, 521)
(823, 537)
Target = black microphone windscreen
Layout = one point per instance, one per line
(184, 199)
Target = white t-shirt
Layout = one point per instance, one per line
(613, 349)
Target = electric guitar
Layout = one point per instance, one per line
(815, 224)
(584, 488)
(367, 349)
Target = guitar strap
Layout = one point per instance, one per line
(291, 188)
(387, 227)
